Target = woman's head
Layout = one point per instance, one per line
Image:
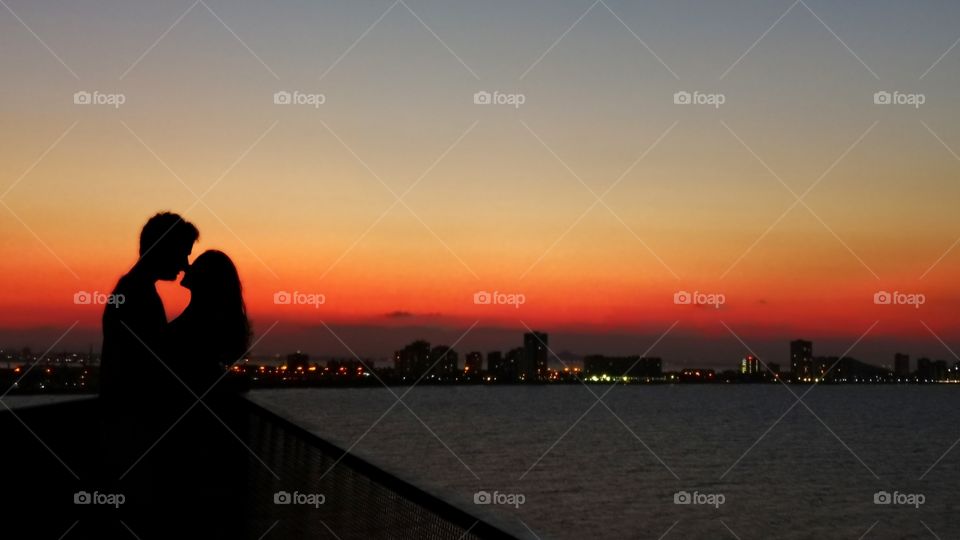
(213, 275)
(217, 294)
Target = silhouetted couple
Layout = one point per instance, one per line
(168, 450)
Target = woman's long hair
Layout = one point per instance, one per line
(217, 299)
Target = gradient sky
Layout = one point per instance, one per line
(301, 206)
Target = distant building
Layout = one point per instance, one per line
(298, 360)
(597, 365)
(512, 363)
(851, 370)
(901, 365)
(413, 360)
(750, 365)
(473, 363)
(535, 355)
(823, 366)
(931, 371)
(940, 370)
(925, 370)
(446, 360)
(801, 359)
(495, 364)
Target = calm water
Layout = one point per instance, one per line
(598, 479)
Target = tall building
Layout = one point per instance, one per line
(535, 354)
(511, 364)
(750, 365)
(801, 359)
(901, 365)
(473, 363)
(446, 360)
(413, 360)
(931, 371)
(924, 370)
(940, 370)
(495, 364)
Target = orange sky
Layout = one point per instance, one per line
(500, 198)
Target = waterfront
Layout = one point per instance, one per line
(804, 478)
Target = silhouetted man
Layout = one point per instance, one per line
(139, 395)
(131, 373)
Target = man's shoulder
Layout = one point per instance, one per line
(125, 283)
(132, 285)
(132, 296)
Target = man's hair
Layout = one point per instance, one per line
(167, 229)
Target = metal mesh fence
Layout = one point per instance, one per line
(261, 478)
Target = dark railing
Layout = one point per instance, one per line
(50, 453)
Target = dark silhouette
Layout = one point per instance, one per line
(213, 332)
(170, 421)
(137, 386)
(132, 375)
(201, 452)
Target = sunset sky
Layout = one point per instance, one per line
(501, 198)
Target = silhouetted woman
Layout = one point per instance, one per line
(203, 343)
(213, 332)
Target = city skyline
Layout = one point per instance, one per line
(26, 372)
(799, 360)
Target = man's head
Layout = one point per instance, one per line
(165, 243)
